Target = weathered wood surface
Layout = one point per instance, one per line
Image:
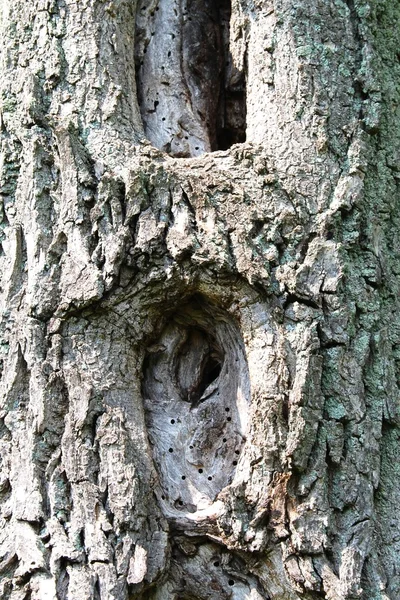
(140, 287)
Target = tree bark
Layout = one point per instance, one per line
(200, 334)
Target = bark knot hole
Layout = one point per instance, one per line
(193, 377)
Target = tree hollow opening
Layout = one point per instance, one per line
(196, 395)
(191, 93)
(199, 363)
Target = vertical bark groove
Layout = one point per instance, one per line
(191, 93)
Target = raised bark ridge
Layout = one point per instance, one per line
(287, 241)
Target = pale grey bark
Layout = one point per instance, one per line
(144, 293)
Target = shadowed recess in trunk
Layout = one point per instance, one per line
(192, 95)
(196, 394)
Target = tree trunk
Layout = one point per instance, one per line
(200, 334)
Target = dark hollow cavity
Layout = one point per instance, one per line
(195, 101)
(200, 361)
(195, 370)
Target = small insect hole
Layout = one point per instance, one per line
(183, 477)
(170, 450)
(234, 463)
(200, 470)
(209, 478)
(172, 421)
(229, 419)
(231, 582)
(216, 564)
(224, 440)
(227, 409)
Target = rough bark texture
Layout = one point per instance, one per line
(200, 350)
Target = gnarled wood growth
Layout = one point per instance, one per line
(134, 275)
